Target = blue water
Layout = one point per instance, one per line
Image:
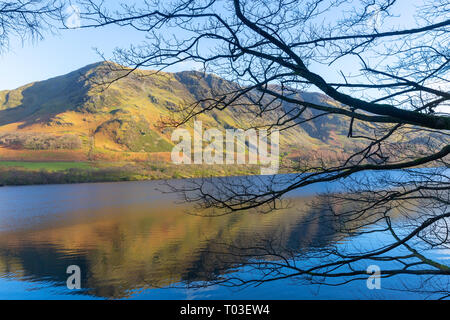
(133, 242)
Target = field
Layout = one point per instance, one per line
(28, 172)
(49, 166)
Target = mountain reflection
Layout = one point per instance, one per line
(137, 247)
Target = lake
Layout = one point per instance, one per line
(132, 241)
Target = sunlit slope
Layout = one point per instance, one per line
(122, 120)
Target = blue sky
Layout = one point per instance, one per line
(61, 53)
(69, 50)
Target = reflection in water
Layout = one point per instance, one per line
(123, 239)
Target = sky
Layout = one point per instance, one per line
(61, 53)
(72, 49)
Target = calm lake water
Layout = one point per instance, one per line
(131, 241)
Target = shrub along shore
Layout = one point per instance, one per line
(29, 173)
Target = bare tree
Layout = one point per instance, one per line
(27, 19)
(394, 84)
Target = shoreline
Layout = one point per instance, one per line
(16, 176)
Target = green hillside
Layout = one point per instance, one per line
(116, 129)
(122, 120)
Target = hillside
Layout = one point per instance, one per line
(70, 117)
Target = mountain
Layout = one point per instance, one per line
(72, 117)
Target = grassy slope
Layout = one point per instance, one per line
(122, 119)
(120, 125)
